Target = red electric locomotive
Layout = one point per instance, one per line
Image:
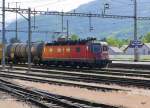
(90, 52)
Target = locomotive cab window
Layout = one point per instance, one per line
(96, 48)
(78, 49)
(105, 48)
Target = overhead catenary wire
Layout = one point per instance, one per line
(86, 15)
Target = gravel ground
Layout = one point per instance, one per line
(7, 101)
(134, 98)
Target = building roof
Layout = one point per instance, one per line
(115, 49)
(147, 44)
(124, 47)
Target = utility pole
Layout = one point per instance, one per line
(34, 20)
(62, 21)
(3, 34)
(136, 55)
(16, 20)
(90, 24)
(29, 39)
(67, 30)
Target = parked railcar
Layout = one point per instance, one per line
(36, 52)
(18, 52)
(76, 53)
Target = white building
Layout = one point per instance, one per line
(123, 47)
(144, 50)
(114, 51)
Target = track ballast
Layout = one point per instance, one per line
(45, 99)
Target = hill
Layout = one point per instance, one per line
(80, 26)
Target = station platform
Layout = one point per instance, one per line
(131, 62)
(130, 65)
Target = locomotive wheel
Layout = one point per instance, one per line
(90, 66)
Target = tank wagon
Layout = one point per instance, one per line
(89, 53)
(18, 52)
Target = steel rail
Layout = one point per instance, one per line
(56, 81)
(123, 81)
(106, 71)
(48, 100)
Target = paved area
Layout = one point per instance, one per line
(133, 98)
(131, 62)
(7, 101)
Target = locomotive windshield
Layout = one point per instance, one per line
(96, 48)
(105, 48)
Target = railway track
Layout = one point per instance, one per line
(59, 81)
(106, 71)
(44, 99)
(82, 76)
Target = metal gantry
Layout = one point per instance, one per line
(3, 34)
(33, 31)
(136, 55)
(25, 11)
(16, 21)
(90, 15)
(67, 29)
(28, 11)
(29, 38)
(78, 14)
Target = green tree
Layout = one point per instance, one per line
(146, 38)
(117, 42)
(74, 37)
(14, 40)
(112, 41)
(124, 42)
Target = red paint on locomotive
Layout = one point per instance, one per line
(89, 52)
(67, 52)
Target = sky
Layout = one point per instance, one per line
(52, 5)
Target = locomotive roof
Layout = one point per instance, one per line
(69, 42)
(104, 43)
(99, 42)
(77, 42)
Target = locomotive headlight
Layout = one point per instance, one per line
(87, 48)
